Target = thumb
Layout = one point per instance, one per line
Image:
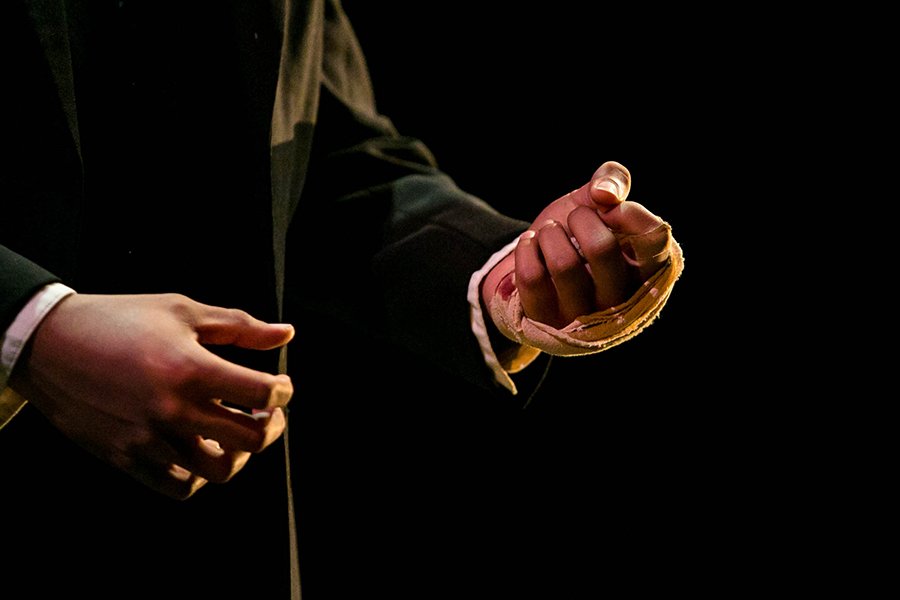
(228, 326)
(610, 185)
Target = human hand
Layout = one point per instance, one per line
(128, 378)
(616, 248)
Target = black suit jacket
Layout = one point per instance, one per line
(360, 222)
(352, 234)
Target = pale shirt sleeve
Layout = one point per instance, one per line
(479, 326)
(13, 340)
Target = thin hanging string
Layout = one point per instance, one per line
(294, 554)
(296, 593)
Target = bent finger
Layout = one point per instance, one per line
(167, 478)
(234, 429)
(536, 290)
(207, 458)
(612, 280)
(143, 453)
(216, 377)
(230, 326)
(571, 280)
(630, 218)
(643, 237)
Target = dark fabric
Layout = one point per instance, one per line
(22, 279)
(176, 170)
(379, 254)
(36, 143)
(386, 244)
(170, 144)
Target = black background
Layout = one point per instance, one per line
(635, 467)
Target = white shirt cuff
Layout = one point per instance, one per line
(479, 327)
(14, 339)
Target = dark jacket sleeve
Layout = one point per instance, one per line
(39, 174)
(20, 279)
(382, 239)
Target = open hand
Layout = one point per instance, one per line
(128, 378)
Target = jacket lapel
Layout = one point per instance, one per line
(49, 18)
(296, 102)
(296, 98)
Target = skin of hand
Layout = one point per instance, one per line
(129, 379)
(558, 280)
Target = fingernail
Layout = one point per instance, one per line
(612, 178)
(179, 472)
(261, 415)
(608, 185)
(527, 235)
(281, 392)
(212, 447)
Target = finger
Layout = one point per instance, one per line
(536, 290)
(248, 432)
(643, 236)
(170, 480)
(611, 275)
(610, 185)
(234, 429)
(221, 326)
(156, 465)
(207, 459)
(574, 288)
(608, 188)
(137, 449)
(216, 377)
(630, 218)
(179, 483)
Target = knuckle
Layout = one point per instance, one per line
(531, 278)
(564, 264)
(179, 304)
(175, 365)
(167, 408)
(238, 316)
(599, 246)
(173, 375)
